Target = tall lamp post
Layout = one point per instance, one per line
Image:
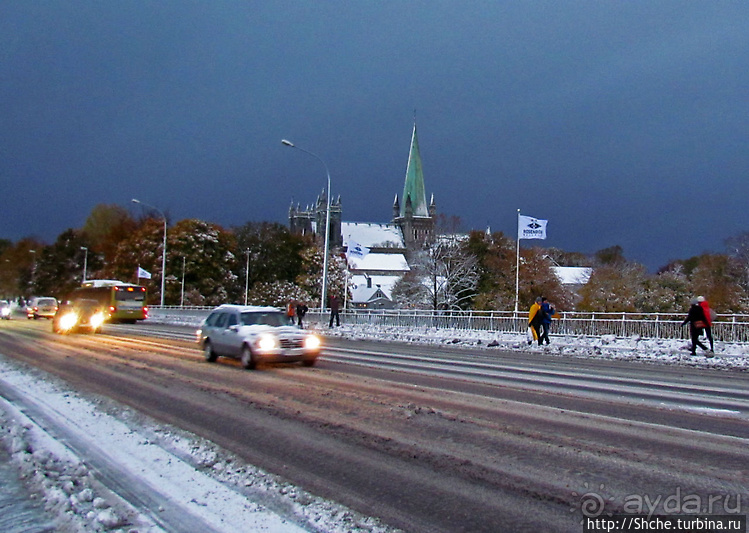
(163, 253)
(85, 262)
(327, 222)
(33, 267)
(247, 276)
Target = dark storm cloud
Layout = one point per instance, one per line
(619, 122)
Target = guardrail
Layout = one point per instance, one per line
(726, 328)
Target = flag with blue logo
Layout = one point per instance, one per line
(356, 250)
(531, 228)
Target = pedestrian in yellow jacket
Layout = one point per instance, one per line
(534, 321)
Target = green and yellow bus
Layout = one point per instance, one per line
(124, 302)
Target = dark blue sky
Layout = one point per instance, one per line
(620, 122)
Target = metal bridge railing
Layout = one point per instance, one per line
(726, 328)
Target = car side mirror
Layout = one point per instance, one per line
(234, 328)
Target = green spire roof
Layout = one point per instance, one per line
(414, 186)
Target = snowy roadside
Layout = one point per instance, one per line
(660, 351)
(70, 451)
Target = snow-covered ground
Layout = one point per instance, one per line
(659, 351)
(64, 443)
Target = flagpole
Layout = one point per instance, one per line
(345, 291)
(517, 266)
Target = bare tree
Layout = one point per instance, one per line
(445, 274)
(738, 248)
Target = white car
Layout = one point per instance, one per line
(43, 307)
(255, 335)
(4, 310)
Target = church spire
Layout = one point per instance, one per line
(414, 185)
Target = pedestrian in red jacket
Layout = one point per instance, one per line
(708, 319)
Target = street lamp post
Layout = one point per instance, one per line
(247, 276)
(163, 252)
(33, 267)
(182, 298)
(327, 222)
(85, 262)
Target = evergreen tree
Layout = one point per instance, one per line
(274, 252)
(59, 267)
(16, 266)
(207, 253)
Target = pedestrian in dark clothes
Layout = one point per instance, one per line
(335, 305)
(697, 323)
(301, 310)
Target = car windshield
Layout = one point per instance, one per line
(267, 318)
(46, 301)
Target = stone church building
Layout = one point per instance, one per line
(390, 246)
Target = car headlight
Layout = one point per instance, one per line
(267, 343)
(68, 321)
(97, 319)
(5, 311)
(312, 342)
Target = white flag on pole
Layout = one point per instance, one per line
(356, 250)
(142, 273)
(531, 228)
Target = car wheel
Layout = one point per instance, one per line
(248, 358)
(208, 352)
(309, 362)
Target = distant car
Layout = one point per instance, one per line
(79, 315)
(255, 335)
(4, 310)
(43, 307)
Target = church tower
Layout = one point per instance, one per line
(412, 214)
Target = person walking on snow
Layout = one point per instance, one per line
(534, 321)
(301, 310)
(547, 311)
(697, 322)
(335, 304)
(708, 320)
(290, 311)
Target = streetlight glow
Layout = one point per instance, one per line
(327, 222)
(163, 253)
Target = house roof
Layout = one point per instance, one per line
(381, 262)
(362, 293)
(573, 275)
(372, 235)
